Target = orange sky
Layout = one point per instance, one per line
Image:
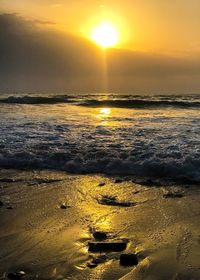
(46, 45)
(159, 26)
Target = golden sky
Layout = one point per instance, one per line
(171, 26)
(48, 45)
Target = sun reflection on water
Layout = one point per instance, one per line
(103, 115)
(105, 111)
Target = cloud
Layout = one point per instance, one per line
(37, 21)
(34, 58)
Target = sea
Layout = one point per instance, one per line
(156, 137)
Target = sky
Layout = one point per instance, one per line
(47, 46)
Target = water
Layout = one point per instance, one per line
(145, 136)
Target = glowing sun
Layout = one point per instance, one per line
(105, 35)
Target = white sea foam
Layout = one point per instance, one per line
(161, 142)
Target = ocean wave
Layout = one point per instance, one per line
(112, 101)
(36, 99)
(178, 170)
(139, 103)
(158, 143)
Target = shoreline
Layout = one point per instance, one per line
(161, 226)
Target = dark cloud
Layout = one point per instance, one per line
(34, 58)
(31, 57)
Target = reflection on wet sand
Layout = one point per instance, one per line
(86, 239)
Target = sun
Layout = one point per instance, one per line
(105, 35)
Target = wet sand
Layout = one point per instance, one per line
(48, 241)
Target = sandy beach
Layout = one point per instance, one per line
(48, 220)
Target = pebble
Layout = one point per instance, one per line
(1, 203)
(91, 264)
(112, 201)
(117, 181)
(16, 275)
(107, 246)
(10, 207)
(173, 195)
(102, 184)
(64, 206)
(7, 180)
(97, 260)
(128, 259)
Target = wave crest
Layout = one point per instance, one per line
(185, 170)
(112, 101)
(35, 99)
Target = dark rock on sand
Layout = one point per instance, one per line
(118, 181)
(102, 184)
(64, 206)
(10, 207)
(1, 203)
(107, 246)
(128, 259)
(7, 180)
(16, 275)
(99, 235)
(173, 195)
(91, 265)
(97, 260)
(112, 201)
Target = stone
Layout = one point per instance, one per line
(118, 181)
(102, 184)
(1, 203)
(7, 180)
(97, 260)
(128, 259)
(91, 264)
(64, 206)
(112, 201)
(173, 195)
(16, 275)
(107, 246)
